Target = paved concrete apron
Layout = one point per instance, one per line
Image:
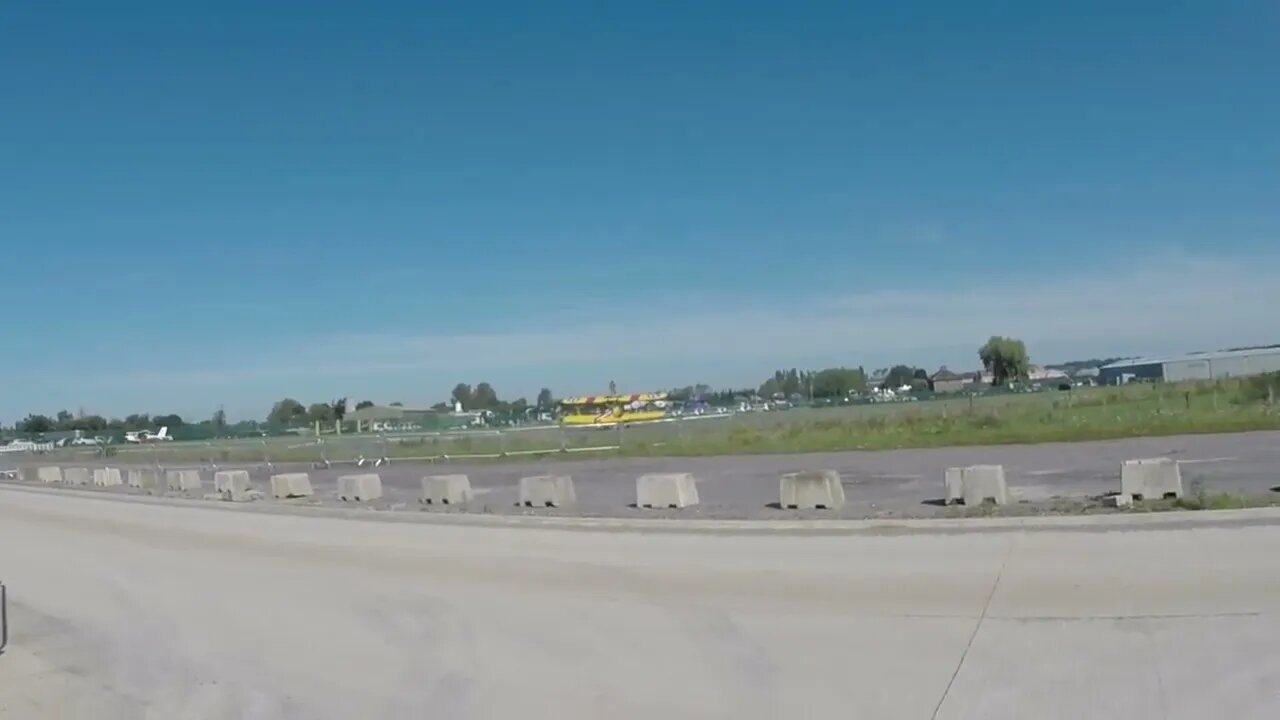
(127, 610)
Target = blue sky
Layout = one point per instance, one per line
(225, 204)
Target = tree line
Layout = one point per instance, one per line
(65, 421)
(1004, 358)
(290, 412)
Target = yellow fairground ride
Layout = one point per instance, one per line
(605, 410)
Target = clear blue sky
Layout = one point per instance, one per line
(227, 204)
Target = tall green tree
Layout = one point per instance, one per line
(35, 424)
(545, 401)
(485, 397)
(900, 375)
(339, 408)
(320, 413)
(364, 404)
(838, 382)
(462, 394)
(1006, 359)
(286, 412)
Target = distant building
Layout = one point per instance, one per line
(1038, 374)
(1194, 366)
(392, 418)
(945, 381)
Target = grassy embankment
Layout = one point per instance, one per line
(1083, 414)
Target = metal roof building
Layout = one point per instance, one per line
(1194, 366)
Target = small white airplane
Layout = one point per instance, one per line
(146, 436)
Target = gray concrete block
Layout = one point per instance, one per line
(445, 490)
(980, 483)
(107, 477)
(76, 476)
(361, 488)
(819, 489)
(547, 491)
(1123, 500)
(666, 490)
(291, 485)
(1151, 478)
(49, 474)
(953, 479)
(232, 485)
(183, 480)
(144, 478)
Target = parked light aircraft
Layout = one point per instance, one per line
(146, 436)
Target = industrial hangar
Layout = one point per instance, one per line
(1194, 366)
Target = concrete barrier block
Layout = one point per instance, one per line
(547, 491)
(182, 480)
(980, 483)
(1151, 478)
(361, 488)
(1123, 500)
(233, 485)
(107, 477)
(819, 489)
(76, 476)
(49, 474)
(291, 485)
(445, 490)
(144, 478)
(953, 479)
(666, 490)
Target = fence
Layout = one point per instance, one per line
(1094, 413)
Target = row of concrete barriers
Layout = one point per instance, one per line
(820, 489)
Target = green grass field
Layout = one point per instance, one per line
(1081, 414)
(1050, 416)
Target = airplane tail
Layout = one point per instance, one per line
(163, 434)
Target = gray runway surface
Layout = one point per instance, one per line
(125, 609)
(878, 484)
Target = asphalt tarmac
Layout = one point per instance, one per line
(899, 483)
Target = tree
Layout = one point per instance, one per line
(545, 401)
(900, 375)
(364, 404)
(462, 394)
(786, 383)
(89, 423)
(396, 404)
(484, 397)
(286, 412)
(35, 424)
(320, 413)
(613, 388)
(173, 420)
(339, 408)
(1006, 359)
(837, 382)
(137, 422)
(64, 418)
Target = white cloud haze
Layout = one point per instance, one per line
(1071, 310)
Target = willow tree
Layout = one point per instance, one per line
(1006, 359)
